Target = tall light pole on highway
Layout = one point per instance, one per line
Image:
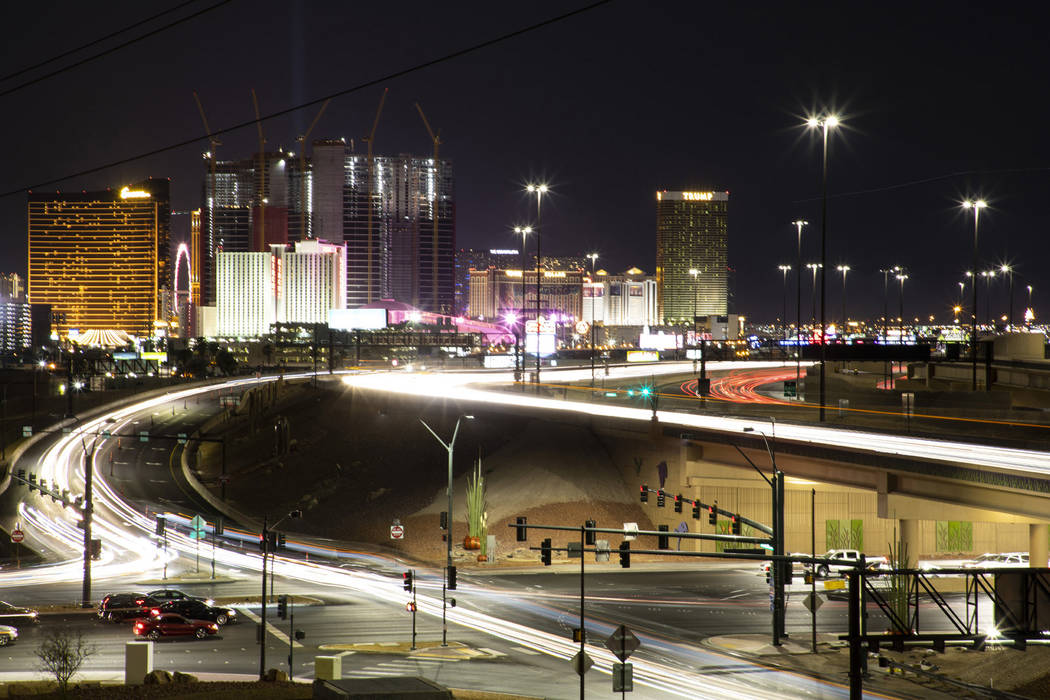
(1007, 270)
(539, 191)
(701, 381)
(843, 269)
(1028, 309)
(798, 224)
(523, 231)
(901, 277)
(449, 447)
(593, 258)
(976, 206)
(813, 267)
(783, 319)
(824, 123)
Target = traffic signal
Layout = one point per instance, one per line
(663, 541)
(678, 503)
(96, 549)
(588, 534)
(696, 510)
(410, 606)
(161, 522)
(444, 520)
(660, 498)
(787, 572)
(625, 554)
(300, 635)
(645, 493)
(736, 525)
(407, 580)
(545, 552)
(712, 514)
(21, 474)
(219, 528)
(522, 532)
(282, 607)
(280, 540)
(769, 573)
(451, 585)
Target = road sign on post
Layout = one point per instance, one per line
(623, 678)
(197, 528)
(581, 663)
(17, 536)
(622, 642)
(790, 388)
(397, 532)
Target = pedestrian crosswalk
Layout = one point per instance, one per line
(397, 667)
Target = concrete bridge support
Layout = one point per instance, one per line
(912, 542)
(1038, 535)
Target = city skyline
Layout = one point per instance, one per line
(909, 123)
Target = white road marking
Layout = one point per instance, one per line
(270, 627)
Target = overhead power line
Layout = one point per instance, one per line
(340, 93)
(926, 180)
(107, 37)
(113, 49)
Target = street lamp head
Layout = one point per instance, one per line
(980, 204)
(694, 272)
(812, 122)
(843, 268)
(1004, 268)
(538, 189)
(799, 223)
(832, 121)
(468, 417)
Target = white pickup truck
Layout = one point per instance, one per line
(849, 555)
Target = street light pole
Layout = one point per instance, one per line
(1007, 270)
(783, 319)
(524, 231)
(843, 269)
(449, 447)
(900, 320)
(594, 259)
(798, 223)
(540, 190)
(701, 389)
(825, 123)
(776, 485)
(262, 612)
(976, 206)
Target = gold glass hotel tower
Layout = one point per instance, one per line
(100, 259)
(691, 233)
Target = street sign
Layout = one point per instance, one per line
(622, 642)
(629, 528)
(601, 550)
(575, 550)
(623, 678)
(397, 532)
(143, 436)
(27, 431)
(812, 602)
(790, 388)
(834, 585)
(17, 536)
(183, 439)
(581, 663)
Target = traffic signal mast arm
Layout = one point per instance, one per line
(653, 533)
(721, 511)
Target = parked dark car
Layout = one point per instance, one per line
(122, 606)
(197, 610)
(10, 614)
(172, 625)
(166, 594)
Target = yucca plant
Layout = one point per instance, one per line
(898, 596)
(476, 507)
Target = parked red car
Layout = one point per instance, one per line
(172, 625)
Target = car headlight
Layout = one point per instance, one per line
(209, 602)
(231, 613)
(214, 627)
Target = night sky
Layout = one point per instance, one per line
(607, 106)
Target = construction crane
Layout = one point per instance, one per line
(302, 171)
(261, 243)
(436, 138)
(195, 247)
(370, 140)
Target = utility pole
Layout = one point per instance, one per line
(89, 468)
(262, 612)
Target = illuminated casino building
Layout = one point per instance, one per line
(691, 233)
(256, 290)
(621, 300)
(15, 327)
(468, 259)
(494, 293)
(101, 259)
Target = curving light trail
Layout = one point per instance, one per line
(130, 547)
